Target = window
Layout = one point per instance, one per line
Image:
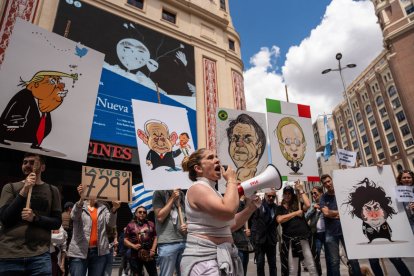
(381, 156)
(409, 142)
(390, 137)
(378, 144)
(223, 4)
(376, 86)
(349, 124)
(368, 109)
(367, 150)
(380, 101)
(409, 9)
(386, 124)
(383, 112)
(169, 16)
(374, 132)
(394, 149)
(342, 130)
(136, 3)
(364, 138)
(396, 103)
(232, 45)
(352, 133)
(385, 78)
(361, 128)
(392, 91)
(358, 117)
(370, 161)
(355, 145)
(371, 120)
(400, 116)
(405, 130)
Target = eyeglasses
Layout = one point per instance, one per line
(314, 193)
(142, 212)
(271, 196)
(31, 162)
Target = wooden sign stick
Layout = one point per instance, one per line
(36, 170)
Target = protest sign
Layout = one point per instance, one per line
(404, 193)
(106, 184)
(347, 158)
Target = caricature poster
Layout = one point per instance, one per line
(291, 140)
(163, 139)
(374, 223)
(242, 144)
(49, 86)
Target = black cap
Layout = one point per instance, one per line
(289, 189)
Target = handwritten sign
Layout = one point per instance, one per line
(404, 193)
(106, 184)
(345, 157)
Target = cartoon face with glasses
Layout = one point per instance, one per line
(158, 138)
(247, 142)
(292, 143)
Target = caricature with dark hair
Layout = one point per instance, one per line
(371, 204)
(247, 142)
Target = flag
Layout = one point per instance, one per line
(140, 197)
(329, 136)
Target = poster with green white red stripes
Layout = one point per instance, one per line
(291, 140)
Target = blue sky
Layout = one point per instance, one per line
(291, 42)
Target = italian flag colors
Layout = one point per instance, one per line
(285, 108)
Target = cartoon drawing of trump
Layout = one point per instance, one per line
(27, 117)
(292, 143)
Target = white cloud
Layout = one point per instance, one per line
(348, 27)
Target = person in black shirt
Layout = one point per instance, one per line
(296, 232)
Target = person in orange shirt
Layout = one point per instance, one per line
(89, 246)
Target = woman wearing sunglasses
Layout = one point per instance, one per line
(140, 235)
(210, 217)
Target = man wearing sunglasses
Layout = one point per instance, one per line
(264, 235)
(25, 233)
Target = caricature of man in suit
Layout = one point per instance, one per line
(160, 142)
(26, 117)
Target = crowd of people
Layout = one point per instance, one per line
(200, 232)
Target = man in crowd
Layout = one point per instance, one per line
(26, 232)
(264, 234)
(171, 232)
(333, 230)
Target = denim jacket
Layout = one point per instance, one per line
(82, 224)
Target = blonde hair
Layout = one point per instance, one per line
(39, 76)
(189, 162)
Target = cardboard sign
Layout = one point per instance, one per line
(404, 193)
(106, 184)
(347, 158)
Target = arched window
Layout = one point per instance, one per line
(342, 130)
(392, 91)
(358, 117)
(349, 124)
(399, 168)
(368, 109)
(379, 100)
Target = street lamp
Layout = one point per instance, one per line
(339, 69)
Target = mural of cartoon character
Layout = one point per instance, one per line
(370, 203)
(183, 143)
(247, 142)
(27, 117)
(292, 142)
(160, 142)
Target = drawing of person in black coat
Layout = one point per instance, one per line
(157, 137)
(370, 203)
(27, 117)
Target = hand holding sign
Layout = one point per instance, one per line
(106, 184)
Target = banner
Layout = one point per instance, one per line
(344, 157)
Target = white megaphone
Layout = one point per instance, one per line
(269, 178)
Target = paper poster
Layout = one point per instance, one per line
(49, 86)
(163, 139)
(347, 158)
(404, 193)
(374, 223)
(242, 144)
(291, 140)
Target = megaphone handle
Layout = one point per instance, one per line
(180, 214)
(246, 225)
